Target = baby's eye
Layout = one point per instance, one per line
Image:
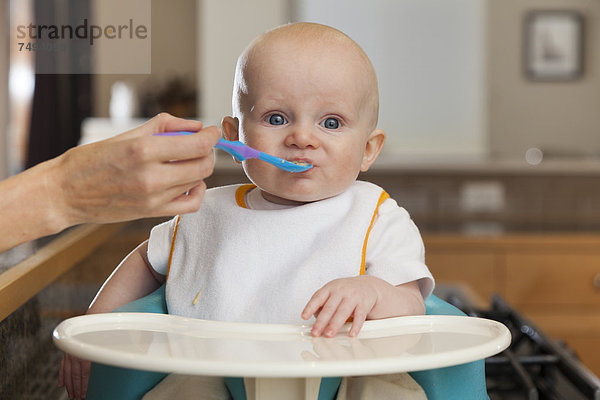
(276, 119)
(331, 123)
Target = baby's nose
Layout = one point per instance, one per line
(302, 137)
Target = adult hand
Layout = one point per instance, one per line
(136, 174)
(130, 176)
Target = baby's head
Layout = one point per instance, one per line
(306, 93)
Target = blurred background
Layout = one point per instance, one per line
(491, 108)
(453, 75)
(469, 86)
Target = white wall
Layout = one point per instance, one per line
(429, 56)
(225, 29)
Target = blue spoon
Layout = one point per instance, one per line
(242, 152)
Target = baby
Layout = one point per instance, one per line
(317, 245)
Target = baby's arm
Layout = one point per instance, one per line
(361, 297)
(132, 279)
(395, 253)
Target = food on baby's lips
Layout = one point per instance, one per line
(301, 163)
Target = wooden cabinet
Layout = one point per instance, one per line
(475, 269)
(558, 287)
(554, 280)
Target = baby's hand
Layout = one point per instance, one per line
(74, 374)
(338, 300)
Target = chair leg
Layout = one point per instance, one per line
(282, 388)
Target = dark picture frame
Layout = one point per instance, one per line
(553, 45)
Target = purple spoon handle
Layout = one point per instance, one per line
(237, 149)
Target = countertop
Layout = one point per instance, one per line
(396, 163)
(481, 165)
(29, 268)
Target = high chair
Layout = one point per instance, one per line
(459, 382)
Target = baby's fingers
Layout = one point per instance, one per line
(326, 313)
(86, 366)
(81, 374)
(65, 372)
(358, 319)
(61, 374)
(76, 374)
(315, 304)
(339, 318)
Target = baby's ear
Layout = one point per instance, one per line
(372, 149)
(231, 127)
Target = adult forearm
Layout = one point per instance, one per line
(133, 175)
(28, 206)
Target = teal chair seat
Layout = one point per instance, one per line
(459, 382)
(114, 383)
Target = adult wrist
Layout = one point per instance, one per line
(60, 215)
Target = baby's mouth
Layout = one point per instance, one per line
(301, 163)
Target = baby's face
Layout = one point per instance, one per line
(307, 104)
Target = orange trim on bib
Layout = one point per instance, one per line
(173, 245)
(383, 197)
(240, 194)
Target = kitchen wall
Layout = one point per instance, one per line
(559, 117)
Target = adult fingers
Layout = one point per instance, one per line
(169, 123)
(163, 122)
(146, 149)
(157, 183)
(151, 181)
(187, 147)
(181, 201)
(177, 173)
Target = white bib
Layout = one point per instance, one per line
(231, 263)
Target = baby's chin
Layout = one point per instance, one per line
(296, 198)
